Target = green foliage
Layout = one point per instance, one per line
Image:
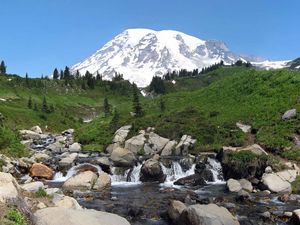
(292, 154)
(29, 104)
(10, 143)
(242, 159)
(137, 108)
(296, 186)
(162, 105)
(157, 85)
(41, 193)
(16, 217)
(106, 106)
(2, 67)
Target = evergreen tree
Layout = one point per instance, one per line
(106, 106)
(44, 105)
(137, 108)
(55, 74)
(29, 104)
(162, 105)
(51, 110)
(157, 85)
(115, 120)
(2, 68)
(27, 80)
(77, 75)
(61, 75)
(83, 86)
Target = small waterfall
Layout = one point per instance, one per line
(59, 177)
(175, 172)
(128, 177)
(216, 169)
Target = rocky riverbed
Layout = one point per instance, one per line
(144, 179)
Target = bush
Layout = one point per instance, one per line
(40, 193)
(10, 143)
(293, 154)
(16, 217)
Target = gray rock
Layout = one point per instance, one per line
(75, 147)
(234, 185)
(84, 180)
(289, 114)
(246, 185)
(136, 143)
(59, 216)
(33, 186)
(169, 149)
(275, 184)
(28, 134)
(175, 210)
(245, 128)
(110, 148)
(36, 129)
(186, 143)
(122, 157)
(210, 214)
(152, 171)
(157, 142)
(121, 134)
(8, 187)
(68, 160)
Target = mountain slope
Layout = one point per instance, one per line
(139, 54)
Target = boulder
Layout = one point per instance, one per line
(67, 203)
(234, 185)
(75, 147)
(121, 134)
(82, 181)
(175, 209)
(110, 148)
(245, 128)
(246, 185)
(103, 182)
(243, 195)
(157, 142)
(152, 171)
(41, 171)
(295, 219)
(136, 143)
(104, 163)
(288, 175)
(56, 147)
(68, 160)
(186, 143)
(289, 114)
(210, 214)
(33, 186)
(59, 216)
(28, 134)
(36, 129)
(40, 157)
(192, 180)
(122, 157)
(68, 132)
(275, 184)
(86, 167)
(8, 187)
(169, 148)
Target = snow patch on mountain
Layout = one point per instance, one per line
(140, 54)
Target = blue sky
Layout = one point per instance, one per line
(38, 35)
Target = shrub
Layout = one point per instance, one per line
(40, 193)
(16, 217)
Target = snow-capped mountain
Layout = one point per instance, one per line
(140, 54)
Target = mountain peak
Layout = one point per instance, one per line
(139, 54)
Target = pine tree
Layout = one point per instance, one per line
(2, 68)
(27, 80)
(137, 108)
(77, 75)
(106, 106)
(55, 74)
(61, 75)
(115, 120)
(44, 105)
(29, 104)
(157, 85)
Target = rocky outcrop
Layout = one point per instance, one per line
(28, 134)
(122, 157)
(156, 142)
(82, 181)
(136, 143)
(192, 180)
(289, 114)
(103, 182)
(245, 128)
(186, 143)
(59, 216)
(210, 214)
(169, 148)
(175, 210)
(36, 129)
(41, 171)
(33, 186)
(276, 184)
(152, 171)
(8, 187)
(121, 134)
